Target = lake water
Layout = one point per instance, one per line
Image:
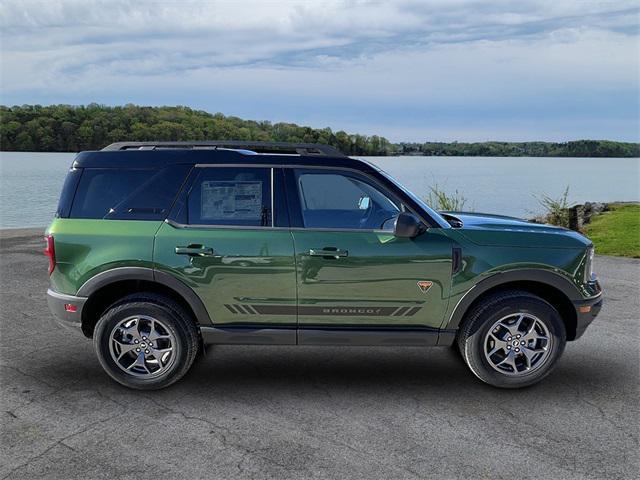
(30, 183)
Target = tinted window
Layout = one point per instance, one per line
(342, 200)
(127, 194)
(68, 191)
(231, 196)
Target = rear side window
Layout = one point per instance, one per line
(231, 196)
(127, 194)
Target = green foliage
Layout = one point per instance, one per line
(65, 128)
(556, 209)
(616, 232)
(579, 148)
(438, 199)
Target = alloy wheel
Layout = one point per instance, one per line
(142, 346)
(517, 344)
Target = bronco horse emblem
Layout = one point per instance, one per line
(424, 285)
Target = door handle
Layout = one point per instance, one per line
(195, 250)
(328, 252)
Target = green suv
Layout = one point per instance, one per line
(159, 249)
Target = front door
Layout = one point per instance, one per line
(228, 244)
(353, 273)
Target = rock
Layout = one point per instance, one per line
(579, 215)
(576, 217)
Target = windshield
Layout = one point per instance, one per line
(435, 215)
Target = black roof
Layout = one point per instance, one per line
(139, 155)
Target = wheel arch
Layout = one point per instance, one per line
(549, 286)
(107, 287)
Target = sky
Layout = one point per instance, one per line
(431, 70)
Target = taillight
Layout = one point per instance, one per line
(50, 252)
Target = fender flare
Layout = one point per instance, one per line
(119, 274)
(545, 277)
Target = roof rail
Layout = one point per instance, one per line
(258, 147)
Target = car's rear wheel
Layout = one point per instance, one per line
(146, 341)
(512, 339)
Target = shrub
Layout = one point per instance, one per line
(556, 209)
(439, 200)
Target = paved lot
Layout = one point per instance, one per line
(301, 412)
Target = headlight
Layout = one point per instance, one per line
(588, 267)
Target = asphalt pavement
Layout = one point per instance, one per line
(312, 412)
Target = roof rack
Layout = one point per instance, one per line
(317, 149)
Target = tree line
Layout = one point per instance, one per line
(577, 148)
(66, 128)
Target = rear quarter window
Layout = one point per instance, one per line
(127, 194)
(68, 192)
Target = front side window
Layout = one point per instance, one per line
(341, 200)
(231, 196)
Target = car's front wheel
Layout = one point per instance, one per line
(512, 339)
(146, 341)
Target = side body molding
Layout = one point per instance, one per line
(147, 274)
(545, 277)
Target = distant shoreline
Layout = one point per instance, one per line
(63, 128)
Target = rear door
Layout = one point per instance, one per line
(353, 273)
(228, 239)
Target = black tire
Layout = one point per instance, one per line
(171, 315)
(473, 335)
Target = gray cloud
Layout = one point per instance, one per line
(200, 34)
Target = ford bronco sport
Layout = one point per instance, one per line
(158, 249)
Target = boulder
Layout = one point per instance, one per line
(579, 215)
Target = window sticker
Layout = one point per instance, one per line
(231, 200)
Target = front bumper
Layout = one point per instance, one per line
(61, 307)
(586, 312)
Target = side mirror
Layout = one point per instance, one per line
(407, 225)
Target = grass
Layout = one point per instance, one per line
(616, 232)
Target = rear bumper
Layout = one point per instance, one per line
(586, 312)
(60, 306)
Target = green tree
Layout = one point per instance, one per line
(93, 126)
